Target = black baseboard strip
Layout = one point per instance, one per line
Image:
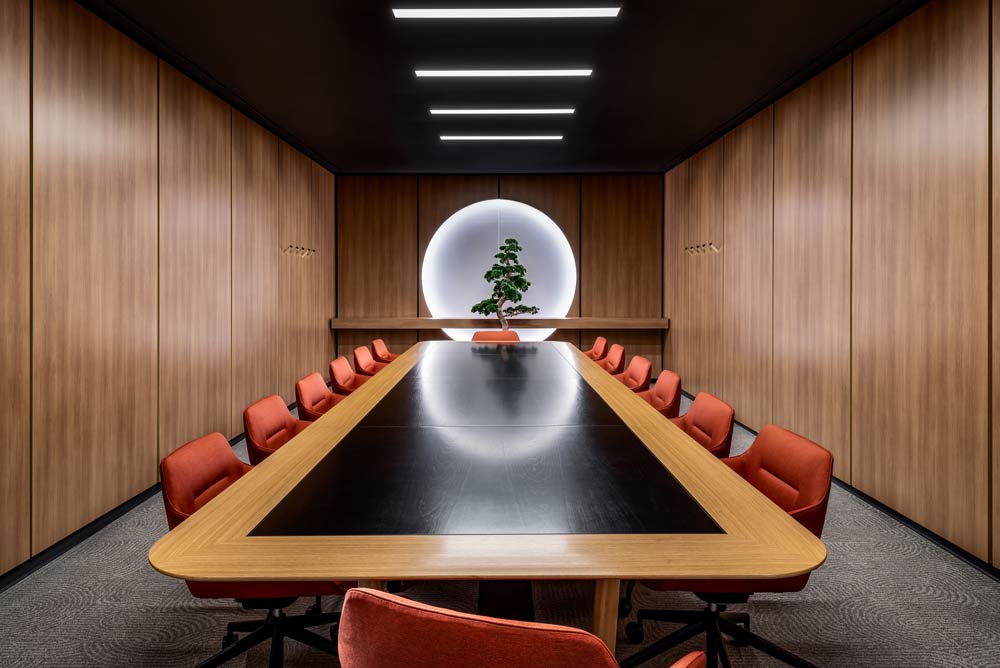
(47, 555)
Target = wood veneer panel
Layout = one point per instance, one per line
(318, 339)
(812, 263)
(377, 264)
(995, 271)
(920, 273)
(705, 370)
(296, 229)
(621, 259)
(558, 196)
(195, 359)
(94, 280)
(15, 290)
(748, 268)
(258, 302)
(676, 264)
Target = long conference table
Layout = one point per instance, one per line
(464, 461)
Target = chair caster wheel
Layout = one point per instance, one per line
(624, 608)
(228, 640)
(634, 633)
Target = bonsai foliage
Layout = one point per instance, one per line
(509, 286)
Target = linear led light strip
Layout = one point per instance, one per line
(503, 73)
(499, 112)
(509, 13)
(501, 137)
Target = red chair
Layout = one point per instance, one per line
(665, 396)
(343, 379)
(795, 474)
(710, 422)
(599, 350)
(314, 398)
(614, 361)
(496, 336)
(380, 630)
(193, 475)
(636, 376)
(268, 425)
(381, 353)
(365, 364)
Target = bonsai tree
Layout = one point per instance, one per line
(509, 286)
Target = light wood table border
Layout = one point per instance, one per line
(760, 540)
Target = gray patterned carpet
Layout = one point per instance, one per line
(886, 597)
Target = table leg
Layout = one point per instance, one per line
(372, 584)
(606, 593)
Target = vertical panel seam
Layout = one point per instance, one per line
(990, 333)
(159, 305)
(31, 277)
(850, 301)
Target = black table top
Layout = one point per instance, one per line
(488, 439)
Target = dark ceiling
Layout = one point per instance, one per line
(335, 77)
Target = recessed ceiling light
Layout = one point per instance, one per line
(499, 112)
(503, 73)
(501, 137)
(509, 13)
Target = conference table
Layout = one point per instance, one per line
(467, 461)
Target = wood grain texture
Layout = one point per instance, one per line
(15, 290)
(704, 371)
(377, 261)
(760, 540)
(606, 597)
(94, 280)
(812, 263)
(995, 272)
(195, 360)
(748, 269)
(621, 257)
(295, 229)
(677, 342)
(558, 196)
(920, 272)
(258, 308)
(318, 341)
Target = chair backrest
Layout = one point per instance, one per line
(341, 372)
(268, 425)
(363, 360)
(668, 390)
(639, 371)
(792, 471)
(379, 630)
(615, 360)
(710, 422)
(380, 350)
(599, 350)
(496, 336)
(310, 391)
(196, 473)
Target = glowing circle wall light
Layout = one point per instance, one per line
(462, 250)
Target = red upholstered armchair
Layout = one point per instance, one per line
(599, 350)
(710, 422)
(614, 361)
(314, 398)
(193, 475)
(496, 336)
(379, 630)
(381, 353)
(365, 364)
(665, 395)
(344, 379)
(793, 472)
(636, 376)
(268, 425)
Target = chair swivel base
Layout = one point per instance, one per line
(714, 622)
(276, 626)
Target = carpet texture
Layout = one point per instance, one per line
(886, 597)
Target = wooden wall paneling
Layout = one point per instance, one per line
(441, 196)
(676, 263)
(377, 265)
(15, 290)
(257, 269)
(94, 281)
(705, 277)
(748, 269)
(995, 272)
(812, 263)
(322, 270)
(621, 259)
(920, 273)
(195, 320)
(558, 196)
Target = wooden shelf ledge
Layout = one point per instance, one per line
(533, 323)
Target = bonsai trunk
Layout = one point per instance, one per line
(503, 319)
